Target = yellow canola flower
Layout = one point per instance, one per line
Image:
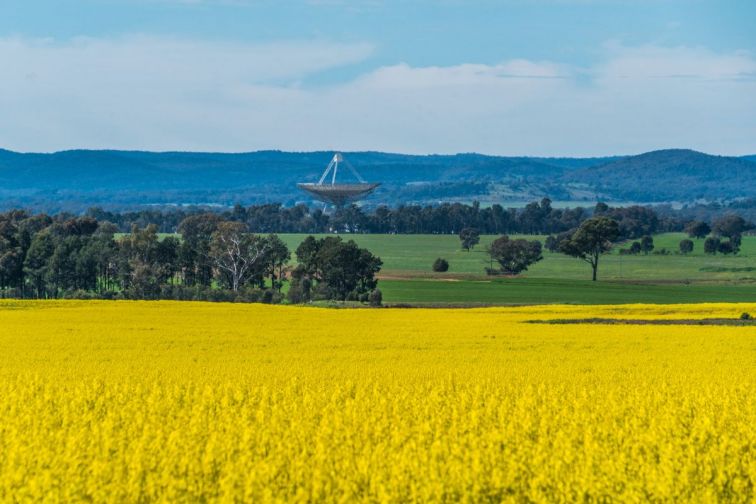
(187, 402)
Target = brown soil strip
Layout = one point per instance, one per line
(611, 321)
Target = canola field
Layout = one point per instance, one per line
(199, 402)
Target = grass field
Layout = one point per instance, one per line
(412, 256)
(697, 277)
(206, 402)
(545, 290)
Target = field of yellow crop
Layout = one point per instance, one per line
(172, 402)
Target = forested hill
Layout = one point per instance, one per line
(674, 174)
(183, 170)
(75, 180)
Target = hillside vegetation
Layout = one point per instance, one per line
(677, 175)
(75, 180)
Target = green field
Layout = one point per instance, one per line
(540, 291)
(412, 256)
(407, 277)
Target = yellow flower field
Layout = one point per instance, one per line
(172, 402)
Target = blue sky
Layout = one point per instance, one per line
(513, 77)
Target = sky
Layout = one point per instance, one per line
(507, 77)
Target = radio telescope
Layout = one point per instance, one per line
(338, 195)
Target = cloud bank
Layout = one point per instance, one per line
(158, 93)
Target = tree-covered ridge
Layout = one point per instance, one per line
(671, 175)
(75, 180)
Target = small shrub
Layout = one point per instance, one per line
(220, 295)
(376, 297)
(296, 295)
(551, 243)
(79, 294)
(299, 291)
(250, 294)
(440, 265)
(745, 316)
(321, 292)
(268, 296)
(647, 244)
(686, 246)
(711, 245)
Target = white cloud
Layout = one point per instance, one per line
(155, 93)
(155, 60)
(652, 62)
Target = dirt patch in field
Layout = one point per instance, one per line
(611, 321)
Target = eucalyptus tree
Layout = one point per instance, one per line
(591, 240)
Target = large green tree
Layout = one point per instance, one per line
(697, 229)
(339, 269)
(237, 254)
(194, 253)
(593, 238)
(146, 263)
(37, 263)
(276, 259)
(730, 226)
(11, 250)
(515, 256)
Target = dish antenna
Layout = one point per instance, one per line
(338, 195)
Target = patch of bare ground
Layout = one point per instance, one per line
(611, 321)
(436, 277)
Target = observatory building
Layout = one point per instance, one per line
(338, 195)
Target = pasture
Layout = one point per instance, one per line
(553, 290)
(412, 256)
(406, 276)
(197, 402)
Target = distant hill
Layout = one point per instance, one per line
(74, 180)
(671, 175)
(81, 169)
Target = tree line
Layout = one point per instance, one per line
(212, 259)
(538, 217)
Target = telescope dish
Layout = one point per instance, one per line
(336, 194)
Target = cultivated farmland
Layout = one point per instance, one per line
(188, 402)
